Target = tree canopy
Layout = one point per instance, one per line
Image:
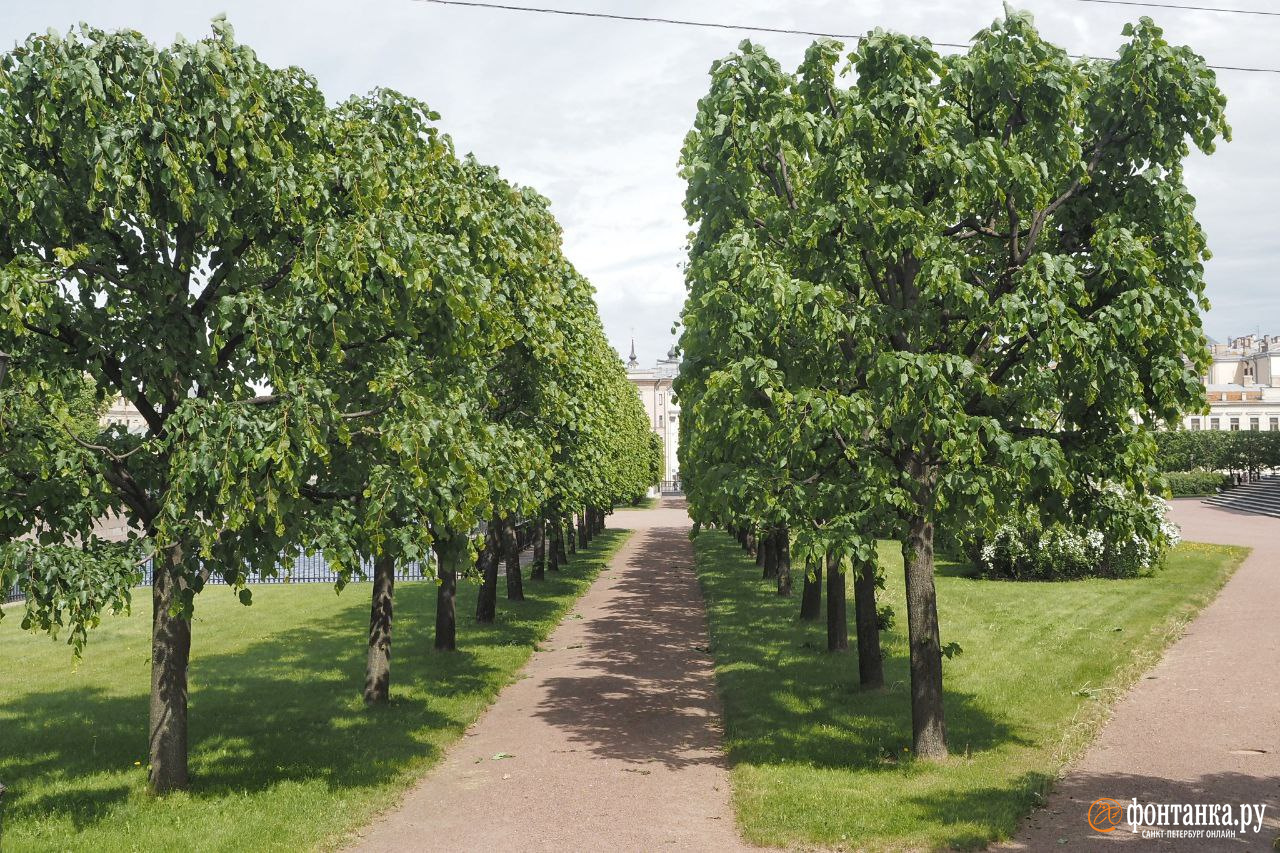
(341, 336)
(922, 283)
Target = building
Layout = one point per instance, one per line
(653, 384)
(1242, 385)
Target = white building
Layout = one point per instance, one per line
(1242, 385)
(654, 387)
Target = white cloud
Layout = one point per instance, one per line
(593, 113)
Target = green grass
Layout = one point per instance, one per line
(284, 755)
(818, 761)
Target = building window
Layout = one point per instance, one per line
(1195, 423)
(659, 398)
(659, 420)
(1235, 424)
(1275, 424)
(1254, 425)
(1214, 423)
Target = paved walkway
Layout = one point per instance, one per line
(1203, 726)
(613, 729)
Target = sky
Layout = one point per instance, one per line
(592, 113)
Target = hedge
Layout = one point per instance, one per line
(1195, 484)
(1216, 450)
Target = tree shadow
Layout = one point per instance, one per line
(286, 707)
(643, 691)
(789, 701)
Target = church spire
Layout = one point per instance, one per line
(633, 361)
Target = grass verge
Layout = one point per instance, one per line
(818, 761)
(284, 756)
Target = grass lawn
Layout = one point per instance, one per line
(284, 756)
(817, 761)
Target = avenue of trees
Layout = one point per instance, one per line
(923, 287)
(342, 336)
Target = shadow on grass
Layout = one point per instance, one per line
(788, 701)
(285, 705)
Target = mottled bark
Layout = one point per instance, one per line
(867, 622)
(487, 564)
(782, 552)
(769, 547)
(540, 551)
(377, 679)
(811, 598)
(452, 551)
(511, 554)
(837, 619)
(556, 554)
(571, 541)
(928, 723)
(170, 657)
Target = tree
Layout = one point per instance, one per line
(207, 241)
(972, 274)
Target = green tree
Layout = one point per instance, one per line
(969, 274)
(200, 242)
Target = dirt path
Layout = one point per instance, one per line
(1203, 726)
(613, 730)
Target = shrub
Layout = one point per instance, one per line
(1193, 484)
(1127, 535)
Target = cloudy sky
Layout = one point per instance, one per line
(592, 113)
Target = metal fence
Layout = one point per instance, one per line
(305, 568)
(313, 568)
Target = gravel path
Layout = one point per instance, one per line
(613, 730)
(1203, 726)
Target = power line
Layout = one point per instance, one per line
(610, 16)
(1150, 5)
(573, 13)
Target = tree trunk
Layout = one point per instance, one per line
(487, 565)
(170, 656)
(511, 552)
(556, 555)
(584, 535)
(928, 724)
(377, 679)
(811, 598)
(870, 664)
(837, 620)
(452, 552)
(782, 551)
(769, 547)
(571, 541)
(758, 542)
(540, 551)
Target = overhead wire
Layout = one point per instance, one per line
(720, 25)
